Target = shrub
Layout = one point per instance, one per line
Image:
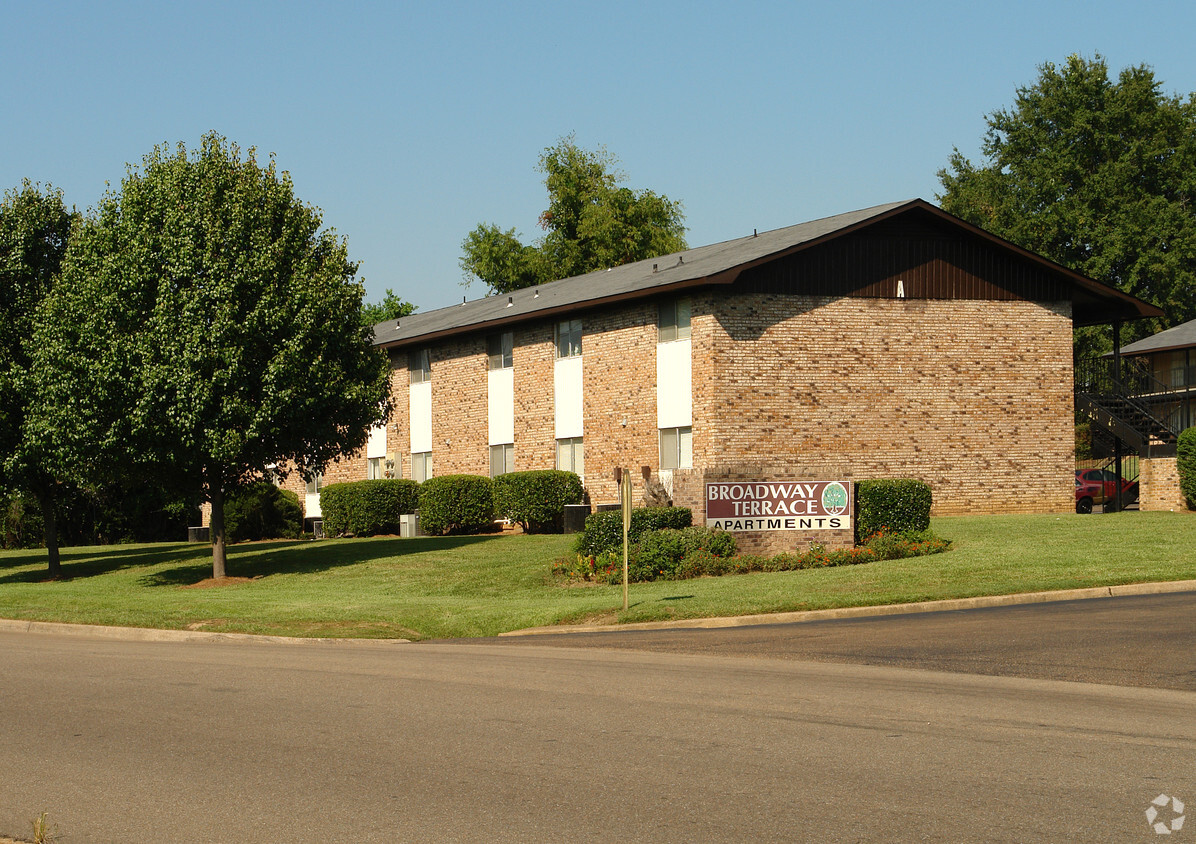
(536, 500)
(604, 531)
(262, 511)
(367, 508)
(456, 504)
(21, 523)
(1186, 465)
(899, 504)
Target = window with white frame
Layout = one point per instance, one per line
(676, 448)
(419, 366)
(502, 459)
(500, 350)
(568, 338)
(315, 484)
(674, 320)
(421, 466)
(570, 456)
(374, 468)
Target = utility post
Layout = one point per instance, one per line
(623, 479)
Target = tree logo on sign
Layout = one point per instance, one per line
(834, 499)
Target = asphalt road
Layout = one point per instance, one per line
(233, 742)
(1147, 640)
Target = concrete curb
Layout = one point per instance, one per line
(146, 634)
(884, 609)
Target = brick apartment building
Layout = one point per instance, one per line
(895, 341)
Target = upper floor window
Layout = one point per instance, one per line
(500, 350)
(419, 365)
(674, 320)
(315, 484)
(568, 338)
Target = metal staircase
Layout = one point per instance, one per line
(1132, 409)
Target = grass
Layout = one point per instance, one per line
(480, 586)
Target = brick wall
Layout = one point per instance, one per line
(619, 395)
(460, 431)
(535, 433)
(1158, 485)
(972, 397)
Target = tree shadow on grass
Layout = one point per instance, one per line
(261, 559)
(87, 563)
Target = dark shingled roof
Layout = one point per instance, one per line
(1179, 337)
(720, 263)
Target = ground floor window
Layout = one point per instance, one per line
(375, 469)
(570, 456)
(676, 448)
(421, 466)
(502, 459)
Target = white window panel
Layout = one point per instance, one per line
(376, 445)
(567, 394)
(421, 416)
(500, 389)
(674, 384)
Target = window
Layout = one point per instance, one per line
(419, 366)
(570, 456)
(676, 448)
(502, 459)
(499, 350)
(568, 338)
(374, 469)
(315, 484)
(421, 466)
(674, 320)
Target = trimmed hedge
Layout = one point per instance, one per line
(262, 511)
(1185, 463)
(367, 508)
(896, 504)
(604, 531)
(537, 499)
(662, 554)
(456, 504)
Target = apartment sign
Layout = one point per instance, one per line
(778, 505)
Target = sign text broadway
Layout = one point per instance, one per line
(773, 505)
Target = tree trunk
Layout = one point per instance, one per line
(50, 523)
(217, 528)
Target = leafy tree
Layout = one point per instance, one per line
(207, 329)
(1097, 175)
(591, 223)
(34, 229)
(391, 307)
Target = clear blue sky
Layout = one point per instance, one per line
(410, 123)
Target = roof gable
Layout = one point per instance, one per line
(724, 263)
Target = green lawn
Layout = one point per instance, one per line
(480, 586)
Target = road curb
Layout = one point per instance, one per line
(948, 605)
(149, 634)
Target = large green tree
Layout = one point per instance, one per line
(390, 308)
(591, 223)
(206, 330)
(34, 228)
(1098, 175)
